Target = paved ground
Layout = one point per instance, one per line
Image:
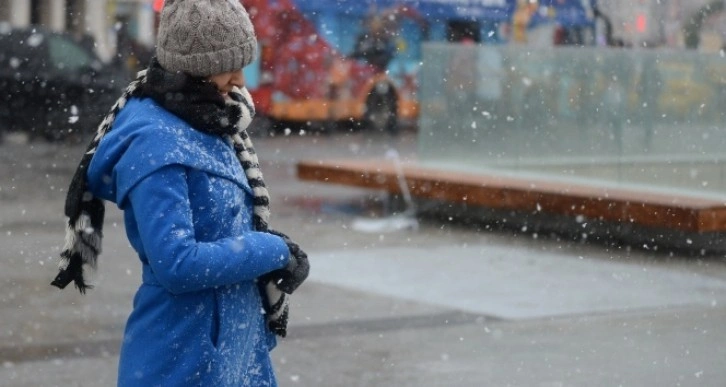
(439, 306)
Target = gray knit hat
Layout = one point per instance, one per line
(205, 37)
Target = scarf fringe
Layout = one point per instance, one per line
(85, 213)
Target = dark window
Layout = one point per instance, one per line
(35, 12)
(460, 30)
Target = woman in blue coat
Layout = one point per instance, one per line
(175, 156)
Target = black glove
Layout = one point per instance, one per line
(294, 274)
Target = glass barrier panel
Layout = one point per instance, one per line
(613, 117)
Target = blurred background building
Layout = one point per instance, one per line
(656, 23)
(633, 23)
(102, 20)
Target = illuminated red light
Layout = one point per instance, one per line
(641, 24)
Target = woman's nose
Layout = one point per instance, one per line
(238, 79)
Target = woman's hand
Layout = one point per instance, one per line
(294, 274)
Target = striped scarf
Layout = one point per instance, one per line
(85, 212)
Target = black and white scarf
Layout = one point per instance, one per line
(200, 104)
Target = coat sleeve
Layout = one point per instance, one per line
(160, 204)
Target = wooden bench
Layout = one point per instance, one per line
(619, 205)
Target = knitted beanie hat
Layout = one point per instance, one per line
(205, 37)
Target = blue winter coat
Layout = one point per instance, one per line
(197, 316)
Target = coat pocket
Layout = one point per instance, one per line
(214, 322)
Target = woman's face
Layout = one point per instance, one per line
(226, 81)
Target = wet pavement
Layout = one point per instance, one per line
(441, 305)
